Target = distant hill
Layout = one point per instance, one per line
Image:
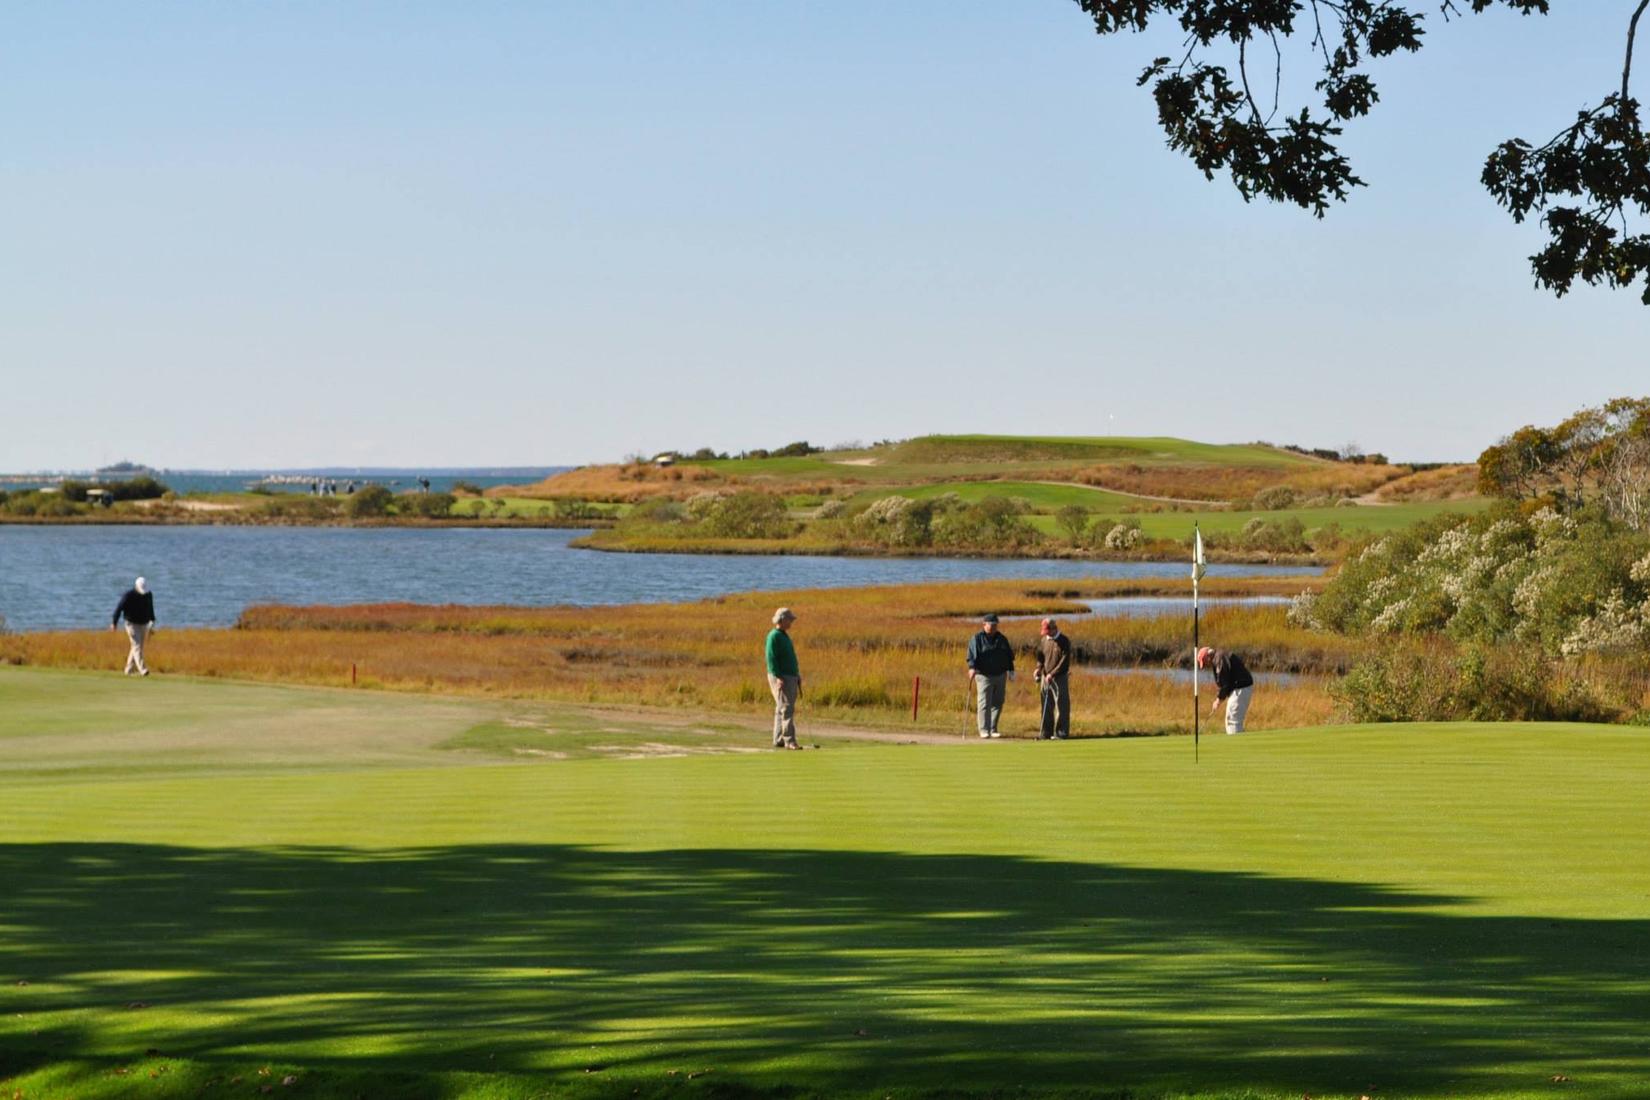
(1150, 466)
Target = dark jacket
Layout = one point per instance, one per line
(990, 654)
(1054, 656)
(138, 607)
(1230, 673)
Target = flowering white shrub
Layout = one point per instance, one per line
(1566, 583)
(1616, 625)
(1124, 536)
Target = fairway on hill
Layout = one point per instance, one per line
(216, 889)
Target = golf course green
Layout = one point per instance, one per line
(217, 889)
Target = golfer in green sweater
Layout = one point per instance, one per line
(784, 679)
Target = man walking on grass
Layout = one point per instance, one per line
(1053, 667)
(137, 606)
(1233, 685)
(990, 667)
(784, 679)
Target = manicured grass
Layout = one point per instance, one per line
(1432, 911)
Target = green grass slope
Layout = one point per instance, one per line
(1423, 911)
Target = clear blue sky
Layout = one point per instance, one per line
(428, 233)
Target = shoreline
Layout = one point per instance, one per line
(718, 547)
(761, 548)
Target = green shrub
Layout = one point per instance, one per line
(1402, 683)
(34, 502)
(1275, 499)
(653, 513)
(897, 521)
(370, 502)
(748, 515)
(994, 523)
(1285, 536)
(137, 488)
(305, 508)
(428, 505)
(1433, 681)
(573, 509)
(1073, 519)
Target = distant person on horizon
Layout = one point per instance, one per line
(990, 668)
(137, 607)
(784, 679)
(1233, 685)
(1053, 668)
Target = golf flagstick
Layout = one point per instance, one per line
(1197, 575)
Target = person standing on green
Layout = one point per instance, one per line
(784, 679)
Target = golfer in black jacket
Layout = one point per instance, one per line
(137, 607)
(1232, 682)
(990, 667)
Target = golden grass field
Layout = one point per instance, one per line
(860, 650)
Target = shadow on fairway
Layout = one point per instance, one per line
(822, 969)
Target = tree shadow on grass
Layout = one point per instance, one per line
(826, 970)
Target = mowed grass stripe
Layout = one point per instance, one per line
(1407, 798)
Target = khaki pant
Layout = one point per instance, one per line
(1237, 708)
(139, 633)
(785, 690)
(990, 694)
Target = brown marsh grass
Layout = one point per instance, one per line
(860, 650)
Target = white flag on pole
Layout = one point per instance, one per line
(1199, 567)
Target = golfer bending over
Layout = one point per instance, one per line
(784, 679)
(1232, 682)
(990, 668)
(1053, 665)
(138, 607)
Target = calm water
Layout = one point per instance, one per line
(1155, 607)
(70, 577)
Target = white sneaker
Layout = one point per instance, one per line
(984, 735)
(994, 733)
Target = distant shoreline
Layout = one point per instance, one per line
(242, 519)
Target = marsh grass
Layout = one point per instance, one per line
(861, 650)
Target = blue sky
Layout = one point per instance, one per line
(421, 234)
